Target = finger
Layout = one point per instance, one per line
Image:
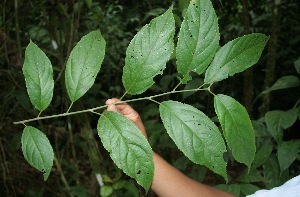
(111, 101)
(111, 106)
(119, 106)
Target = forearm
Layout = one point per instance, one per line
(170, 182)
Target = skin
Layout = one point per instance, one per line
(167, 181)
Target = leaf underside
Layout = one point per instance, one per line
(37, 150)
(236, 56)
(148, 52)
(38, 73)
(127, 146)
(84, 64)
(237, 128)
(198, 39)
(195, 135)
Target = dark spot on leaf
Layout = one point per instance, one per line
(139, 172)
(132, 56)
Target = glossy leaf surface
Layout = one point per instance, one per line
(236, 56)
(198, 39)
(148, 52)
(37, 150)
(84, 64)
(195, 135)
(38, 73)
(127, 146)
(237, 128)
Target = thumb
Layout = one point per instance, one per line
(111, 106)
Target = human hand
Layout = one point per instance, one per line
(127, 111)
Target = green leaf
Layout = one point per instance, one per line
(287, 153)
(195, 135)
(282, 83)
(250, 176)
(236, 56)
(127, 146)
(37, 150)
(272, 175)
(106, 190)
(260, 128)
(234, 189)
(278, 120)
(262, 155)
(198, 39)
(38, 73)
(248, 189)
(84, 64)
(148, 52)
(237, 128)
(131, 189)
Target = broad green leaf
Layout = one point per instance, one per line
(148, 52)
(273, 176)
(38, 73)
(234, 189)
(195, 135)
(248, 189)
(260, 128)
(37, 150)
(198, 39)
(127, 146)
(237, 128)
(287, 153)
(84, 64)
(132, 189)
(106, 190)
(282, 83)
(262, 155)
(236, 56)
(278, 120)
(250, 176)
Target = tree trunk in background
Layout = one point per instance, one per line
(248, 74)
(271, 61)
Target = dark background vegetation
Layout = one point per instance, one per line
(79, 153)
